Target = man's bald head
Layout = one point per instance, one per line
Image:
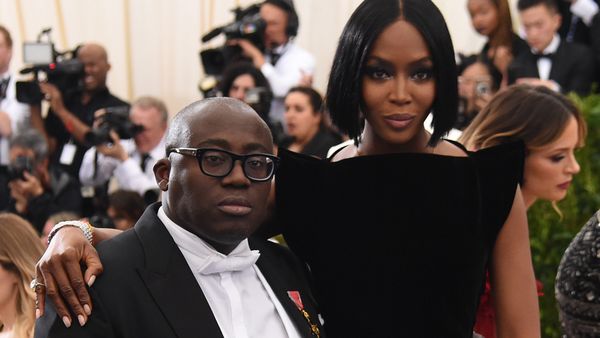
(206, 116)
(95, 65)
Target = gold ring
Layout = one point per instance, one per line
(35, 284)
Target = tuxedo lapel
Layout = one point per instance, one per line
(556, 72)
(171, 282)
(282, 280)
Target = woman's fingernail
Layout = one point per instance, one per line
(66, 321)
(81, 320)
(87, 309)
(91, 280)
(38, 313)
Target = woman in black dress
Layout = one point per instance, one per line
(402, 225)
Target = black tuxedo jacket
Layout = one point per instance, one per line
(572, 67)
(148, 290)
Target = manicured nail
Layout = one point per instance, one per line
(66, 321)
(91, 280)
(81, 320)
(87, 309)
(38, 313)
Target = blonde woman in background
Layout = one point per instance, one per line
(552, 129)
(20, 248)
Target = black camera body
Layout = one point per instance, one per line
(117, 119)
(16, 169)
(248, 25)
(63, 70)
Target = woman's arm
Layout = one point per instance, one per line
(513, 281)
(60, 270)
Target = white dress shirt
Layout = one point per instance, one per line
(241, 300)
(129, 174)
(18, 113)
(545, 64)
(585, 9)
(286, 73)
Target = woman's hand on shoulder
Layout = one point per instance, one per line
(60, 270)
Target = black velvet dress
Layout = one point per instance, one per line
(397, 244)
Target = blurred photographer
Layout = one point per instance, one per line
(283, 63)
(70, 118)
(14, 115)
(38, 190)
(130, 161)
(245, 82)
(478, 81)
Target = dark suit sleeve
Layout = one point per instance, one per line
(97, 326)
(595, 42)
(582, 76)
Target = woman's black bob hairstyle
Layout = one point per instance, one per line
(344, 91)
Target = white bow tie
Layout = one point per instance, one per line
(232, 262)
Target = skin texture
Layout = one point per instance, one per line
(484, 16)
(398, 91)
(205, 210)
(540, 25)
(240, 86)
(301, 119)
(550, 169)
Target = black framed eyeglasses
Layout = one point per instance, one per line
(219, 163)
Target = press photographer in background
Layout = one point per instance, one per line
(282, 62)
(127, 145)
(477, 83)
(245, 82)
(37, 188)
(71, 117)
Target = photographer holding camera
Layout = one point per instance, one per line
(130, 162)
(70, 118)
(284, 64)
(14, 115)
(37, 189)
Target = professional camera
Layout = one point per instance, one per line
(117, 119)
(16, 169)
(63, 70)
(247, 25)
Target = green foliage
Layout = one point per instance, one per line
(550, 234)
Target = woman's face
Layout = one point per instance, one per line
(470, 77)
(398, 87)
(550, 169)
(300, 117)
(484, 16)
(240, 86)
(8, 287)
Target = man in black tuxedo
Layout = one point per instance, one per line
(551, 62)
(188, 268)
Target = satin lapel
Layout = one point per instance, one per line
(281, 280)
(171, 282)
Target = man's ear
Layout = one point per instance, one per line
(162, 169)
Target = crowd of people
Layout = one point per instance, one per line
(415, 164)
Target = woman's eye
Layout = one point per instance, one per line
(377, 73)
(557, 158)
(422, 75)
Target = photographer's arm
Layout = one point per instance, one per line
(74, 126)
(60, 270)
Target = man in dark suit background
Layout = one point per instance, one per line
(187, 268)
(552, 61)
(581, 24)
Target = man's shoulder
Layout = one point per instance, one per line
(122, 251)
(300, 52)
